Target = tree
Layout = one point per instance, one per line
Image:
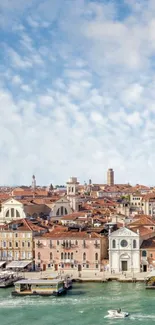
(51, 187)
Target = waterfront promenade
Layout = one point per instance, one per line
(87, 276)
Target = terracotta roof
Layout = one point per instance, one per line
(70, 234)
(73, 216)
(24, 225)
(143, 230)
(145, 220)
(148, 243)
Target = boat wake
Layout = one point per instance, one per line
(142, 317)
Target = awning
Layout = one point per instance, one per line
(2, 263)
(18, 264)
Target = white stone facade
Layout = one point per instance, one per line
(60, 208)
(72, 191)
(124, 251)
(11, 210)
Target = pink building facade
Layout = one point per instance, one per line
(70, 250)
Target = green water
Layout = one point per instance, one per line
(85, 304)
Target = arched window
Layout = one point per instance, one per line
(51, 256)
(114, 243)
(96, 256)
(58, 212)
(134, 243)
(12, 212)
(71, 256)
(39, 256)
(65, 255)
(144, 254)
(76, 243)
(84, 256)
(62, 256)
(62, 210)
(7, 214)
(66, 211)
(17, 214)
(68, 255)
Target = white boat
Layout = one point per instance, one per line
(117, 314)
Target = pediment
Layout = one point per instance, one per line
(11, 201)
(123, 232)
(62, 201)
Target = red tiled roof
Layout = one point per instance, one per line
(69, 234)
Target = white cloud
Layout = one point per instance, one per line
(79, 82)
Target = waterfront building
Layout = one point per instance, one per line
(110, 177)
(16, 240)
(147, 252)
(68, 250)
(124, 251)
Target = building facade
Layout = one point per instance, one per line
(11, 209)
(124, 251)
(70, 250)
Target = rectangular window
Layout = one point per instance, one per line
(4, 243)
(16, 235)
(23, 244)
(10, 254)
(23, 255)
(58, 242)
(49, 265)
(16, 256)
(96, 266)
(29, 255)
(16, 244)
(4, 254)
(28, 244)
(10, 244)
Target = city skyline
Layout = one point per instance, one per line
(77, 91)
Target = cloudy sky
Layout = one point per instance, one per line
(77, 90)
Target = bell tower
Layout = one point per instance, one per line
(72, 192)
(33, 183)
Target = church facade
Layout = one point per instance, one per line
(124, 251)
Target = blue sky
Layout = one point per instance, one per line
(77, 90)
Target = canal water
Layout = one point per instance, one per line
(85, 304)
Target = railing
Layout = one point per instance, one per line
(68, 260)
(39, 245)
(64, 246)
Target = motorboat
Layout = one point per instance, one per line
(117, 314)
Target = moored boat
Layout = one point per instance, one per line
(39, 287)
(7, 279)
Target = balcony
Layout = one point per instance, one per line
(39, 245)
(97, 245)
(68, 261)
(64, 246)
